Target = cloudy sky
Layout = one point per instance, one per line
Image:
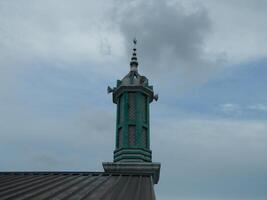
(206, 59)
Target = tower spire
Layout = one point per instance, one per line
(134, 62)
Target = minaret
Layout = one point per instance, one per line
(133, 94)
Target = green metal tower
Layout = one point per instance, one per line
(133, 95)
(132, 154)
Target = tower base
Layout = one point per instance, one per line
(132, 155)
(152, 169)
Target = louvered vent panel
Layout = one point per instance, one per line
(131, 132)
(132, 108)
(143, 108)
(121, 110)
(144, 137)
(120, 137)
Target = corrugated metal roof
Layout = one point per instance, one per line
(75, 185)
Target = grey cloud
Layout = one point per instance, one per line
(164, 29)
(32, 141)
(239, 29)
(171, 41)
(51, 31)
(96, 124)
(198, 158)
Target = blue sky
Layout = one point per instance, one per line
(237, 92)
(206, 60)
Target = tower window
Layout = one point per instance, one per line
(131, 137)
(132, 107)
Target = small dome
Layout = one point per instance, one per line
(133, 78)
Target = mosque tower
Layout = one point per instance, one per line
(133, 94)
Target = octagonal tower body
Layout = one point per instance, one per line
(133, 94)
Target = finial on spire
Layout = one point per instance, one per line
(134, 41)
(134, 62)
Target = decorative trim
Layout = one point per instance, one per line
(134, 168)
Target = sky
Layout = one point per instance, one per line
(207, 60)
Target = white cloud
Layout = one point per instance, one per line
(258, 107)
(230, 108)
(234, 109)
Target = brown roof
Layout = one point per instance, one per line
(75, 185)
